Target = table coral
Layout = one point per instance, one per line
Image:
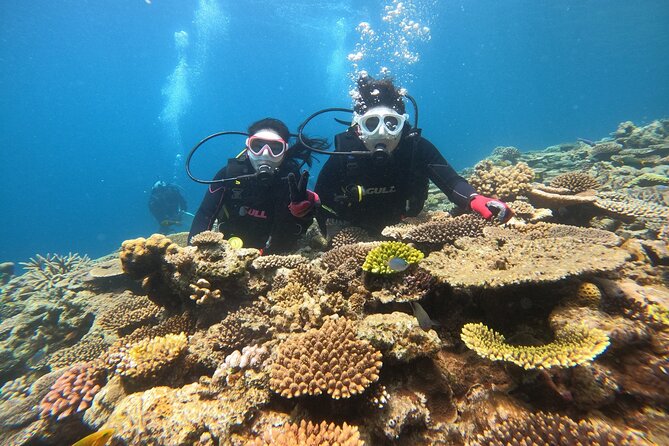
(649, 179)
(73, 392)
(329, 360)
(572, 346)
(543, 428)
(377, 260)
(307, 433)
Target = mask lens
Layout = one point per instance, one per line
(371, 123)
(392, 123)
(256, 145)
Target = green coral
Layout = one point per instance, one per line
(649, 179)
(572, 346)
(377, 259)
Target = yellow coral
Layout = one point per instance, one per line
(147, 357)
(377, 260)
(658, 314)
(589, 294)
(572, 346)
(141, 257)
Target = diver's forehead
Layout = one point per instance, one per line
(381, 109)
(267, 134)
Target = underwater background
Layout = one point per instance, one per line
(101, 99)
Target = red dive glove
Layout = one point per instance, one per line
(302, 200)
(489, 208)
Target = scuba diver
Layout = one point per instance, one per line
(167, 205)
(384, 166)
(260, 196)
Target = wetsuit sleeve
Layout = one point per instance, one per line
(328, 185)
(208, 210)
(456, 188)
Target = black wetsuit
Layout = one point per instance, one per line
(390, 190)
(252, 210)
(167, 205)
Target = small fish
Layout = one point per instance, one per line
(586, 141)
(99, 438)
(398, 264)
(421, 315)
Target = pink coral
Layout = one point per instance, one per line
(73, 392)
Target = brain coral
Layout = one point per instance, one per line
(498, 261)
(572, 346)
(309, 434)
(377, 260)
(553, 429)
(328, 360)
(575, 182)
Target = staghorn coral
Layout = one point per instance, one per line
(446, 230)
(73, 392)
(141, 257)
(499, 261)
(307, 433)
(575, 182)
(277, 261)
(328, 360)
(350, 236)
(44, 273)
(545, 428)
(377, 260)
(505, 183)
(337, 256)
(572, 346)
(145, 359)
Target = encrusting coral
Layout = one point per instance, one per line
(329, 360)
(575, 182)
(378, 259)
(553, 429)
(307, 433)
(73, 392)
(572, 346)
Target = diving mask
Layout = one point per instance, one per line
(380, 128)
(265, 150)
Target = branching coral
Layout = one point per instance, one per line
(278, 261)
(335, 257)
(329, 360)
(575, 182)
(44, 272)
(446, 230)
(129, 313)
(202, 292)
(552, 429)
(73, 392)
(307, 433)
(378, 259)
(349, 236)
(572, 346)
(505, 183)
(91, 347)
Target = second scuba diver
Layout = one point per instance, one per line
(260, 196)
(391, 180)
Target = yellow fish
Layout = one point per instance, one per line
(99, 438)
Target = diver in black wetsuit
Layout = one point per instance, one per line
(266, 202)
(167, 205)
(376, 191)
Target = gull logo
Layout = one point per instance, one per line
(257, 213)
(380, 190)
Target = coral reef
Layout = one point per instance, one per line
(505, 183)
(544, 428)
(378, 260)
(147, 358)
(307, 433)
(350, 236)
(446, 230)
(572, 346)
(575, 182)
(329, 360)
(337, 256)
(73, 392)
(511, 154)
(277, 261)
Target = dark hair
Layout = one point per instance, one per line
(270, 124)
(373, 92)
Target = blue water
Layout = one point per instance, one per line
(98, 99)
